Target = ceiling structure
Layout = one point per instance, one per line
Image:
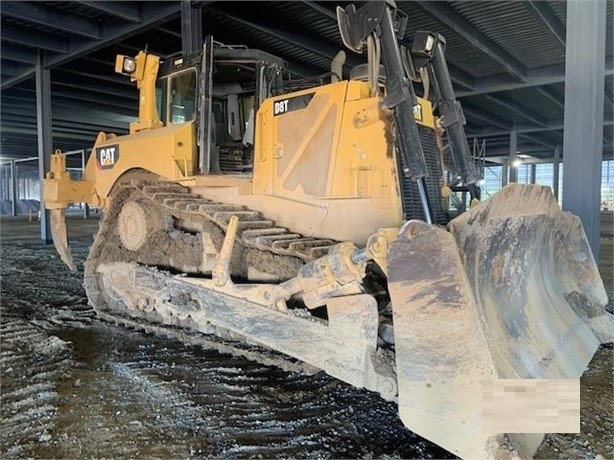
(507, 61)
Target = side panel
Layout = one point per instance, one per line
(169, 152)
(297, 135)
(328, 149)
(324, 164)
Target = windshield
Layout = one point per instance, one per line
(182, 97)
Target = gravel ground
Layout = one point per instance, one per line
(76, 387)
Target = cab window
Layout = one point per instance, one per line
(161, 89)
(182, 97)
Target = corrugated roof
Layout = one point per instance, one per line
(459, 52)
(537, 103)
(489, 51)
(513, 27)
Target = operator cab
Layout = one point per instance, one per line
(220, 88)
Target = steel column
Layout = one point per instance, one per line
(504, 172)
(583, 125)
(191, 27)
(533, 172)
(6, 185)
(86, 208)
(13, 188)
(512, 159)
(43, 123)
(555, 172)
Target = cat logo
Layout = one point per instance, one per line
(107, 156)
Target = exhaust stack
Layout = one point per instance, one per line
(336, 67)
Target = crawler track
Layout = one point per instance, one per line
(179, 205)
(253, 231)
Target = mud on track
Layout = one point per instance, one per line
(73, 386)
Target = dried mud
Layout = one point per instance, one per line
(75, 387)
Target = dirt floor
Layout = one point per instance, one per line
(73, 386)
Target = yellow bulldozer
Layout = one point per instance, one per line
(253, 213)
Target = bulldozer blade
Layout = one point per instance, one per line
(59, 234)
(512, 291)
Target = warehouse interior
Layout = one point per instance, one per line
(535, 80)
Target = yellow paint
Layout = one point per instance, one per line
(169, 152)
(145, 75)
(59, 190)
(426, 111)
(318, 170)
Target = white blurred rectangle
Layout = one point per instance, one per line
(531, 406)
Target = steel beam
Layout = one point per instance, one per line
(124, 107)
(456, 22)
(503, 151)
(73, 110)
(533, 173)
(106, 77)
(459, 77)
(65, 116)
(31, 131)
(556, 165)
(27, 37)
(60, 129)
(446, 14)
(17, 53)
(68, 111)
(506, 126)
(45, 141)
(532, 128)
(318, 47)
(505, 172)
(321, 9)
(540, 76)
(152, 14)
(52, 18)
(609, 105)
(12, 68)
(541, 10)
(14, 188)
(583, 133)
(122, 10)
(170, 32)
(86, 208)
(14, 79)
(191, 27)
(512, 155)
(545, 92)
(3, 182)
(122, 93)
(508, 104)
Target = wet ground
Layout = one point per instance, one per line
(76, 387)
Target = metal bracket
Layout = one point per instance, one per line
(221, 271)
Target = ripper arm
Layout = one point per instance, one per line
(59, 191)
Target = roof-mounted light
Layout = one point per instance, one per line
(129, 65)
